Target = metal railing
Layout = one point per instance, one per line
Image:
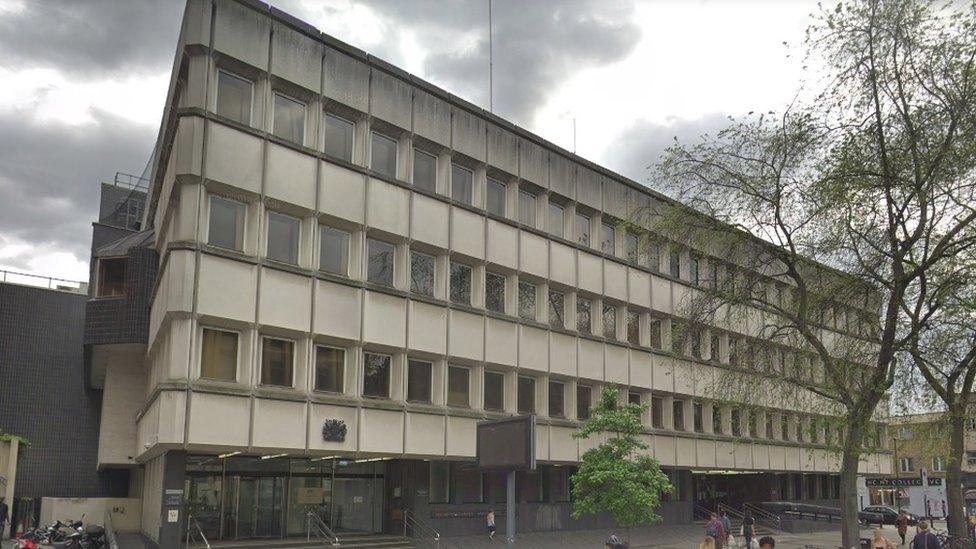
(315, 524)
(730, 511)
(764, 517)
(701, 512)
(415, 527)
(110, 538)
(130, 181)
(193, 531)
(40, 281)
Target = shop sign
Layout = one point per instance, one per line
(935, 481)
(892, 482)
(334, 430)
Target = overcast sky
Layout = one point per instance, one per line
(84, 81)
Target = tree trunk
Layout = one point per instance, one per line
(851, 458)
(954, 496)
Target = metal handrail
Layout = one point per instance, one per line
(420, 528)
(729, 510)
(113, 542)
(191, 522)
(701, 511)
(322, 530)
(761, 514)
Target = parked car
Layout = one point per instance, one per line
(881, 514)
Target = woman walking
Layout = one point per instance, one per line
(748, 527)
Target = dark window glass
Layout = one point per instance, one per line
(526, 395)
(383, 156)
(277, 361)
(418, 380)
(693, 271)
(556, 309)
(769, 425)
(609, 321)
(657, 412)
(583, 402)
(283, 235)
(582, 229)
(226, 223)
(111, 276)
(654, 256)
(633, 398)
(494, 391)
(675, 264)
(556, 398)
(330, 365)
(422, 273)
(218, 358)
(679, 415)
(527, 208)
(289, 119)
(655, 332)
(334, 251)
(713, 276)
(556, 222)
(632, 255)
(696, 344)
(606, 244)
(462, 184)
(699, 417)
(339, 137)
(457, 386)
(376, 375)
(460, 283)
(424, 170)
(736, 424)
(380, 260)
(526, 300)
(633, 327)
(678, 335)
(440, 482)
(495, 292)
(583, 320)
(470, 483)
(751, 420)
(714, 347)
(496, 197)
(234, 97)
(716, 420)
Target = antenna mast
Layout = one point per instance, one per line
(491, 86)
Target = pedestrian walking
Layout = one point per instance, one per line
(748, 527)
(879, 541)
(490, 519)
(901, 523)
(716, 531)
(972, 526)
(4, 511)
(925, 539)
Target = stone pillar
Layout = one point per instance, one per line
(173, 509)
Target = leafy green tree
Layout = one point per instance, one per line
(616, 477)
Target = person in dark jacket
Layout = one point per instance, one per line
(4, 512)
(925, 539)
(715, 529)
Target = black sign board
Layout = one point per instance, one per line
(935, 481)
(172, 498)
(892, 482)
(507, 444)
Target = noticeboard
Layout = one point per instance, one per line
(507, 444)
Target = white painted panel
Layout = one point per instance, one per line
(641, 372)
(279, 424)
(382, 431)
(343, 192)
(285, 300)
(467, 335)
(291, 176)
(533, 349)
(385, 319)
(685, 452)
(219, 420)
(502, 244)
(661, 294)
(461, 436)
(234, 158)
(640, 287)
(590, 272)
(502, 342)
(322, 412)
(615, 280)
(427, 328)
(590, 359)
(534, 255)
(430, 221)
(617, 368)
(562, 445)
(562, 354)
(467, 233)
(387, 207)
(563, 263)
(216, 276)
(336, 310)
(425, 434)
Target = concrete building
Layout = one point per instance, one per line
(356, 267)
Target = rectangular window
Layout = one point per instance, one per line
(699, 417)
(379, 261)
(633, 327)
(769, 425)
(494, 391)
(422, 273)
(654, 256)
(717, 420)
(234, 97)
(470, 483)
(496, 197)
(462, 185)
(907, 465)
(376, 375)
(526, 300)
(526, 395)
(218, 357)
(457, 386)
(333, 251)
(938, 464)
(556, 220)
(460, 283)
(330, 365)
(526, 208)
(713, 347)
(583, 321)
(784, 427)
(675, 263)
(693, 271)
(904, 432)
(657, 412)
(111, 276)
(632, 254)
(607, 243)
(713, 276)
(609, 321)
(289, 119)
(440, 482)
(339, 137)
(284, 232)
(971, 458)
(678, 409)
(582, 229)
(226, 223)
(277, 361)
(736, 424)
(696, 344)
(424, 170)
(655, 332)
(556, 398)
(418, 380)
(584, 402)
(633, 398)
(383, 155)
(495, 292)
(751, 420)
(733, 352)
(678, 338)
(556, 309)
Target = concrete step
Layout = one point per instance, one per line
(346, 541)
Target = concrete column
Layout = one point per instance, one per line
(173, 509)
(10, 476)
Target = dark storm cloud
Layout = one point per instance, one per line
(91, 38)
(638, 148)
(49, 175)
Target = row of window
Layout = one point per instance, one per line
(234, 101)
(219, 360)
(907, 464)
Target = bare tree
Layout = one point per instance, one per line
(833, 212)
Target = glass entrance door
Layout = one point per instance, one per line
(258, 509)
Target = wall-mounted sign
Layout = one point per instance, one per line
(892, 482)
(172, 498)
(334, 430)
(935, 481)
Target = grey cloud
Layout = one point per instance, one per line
(49, 176)
(636, 150)
(88, 39)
